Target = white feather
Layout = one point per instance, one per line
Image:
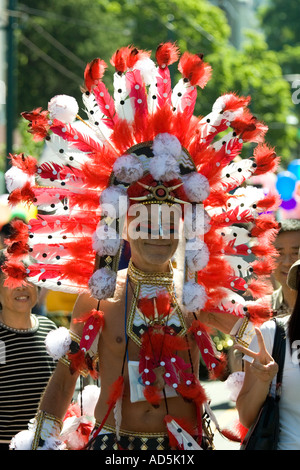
(236, 173)
(184, 439)
(95, 117)
(239, 235)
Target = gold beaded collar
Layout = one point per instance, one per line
(156, 278)
(146, 284)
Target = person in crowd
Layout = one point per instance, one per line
(141, 328)
(25, 366)
(261, 370)
(287, 244)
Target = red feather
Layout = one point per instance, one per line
(146, 305)
(77, 361)
(266, 159)
(183, 424)
(264, 249)
(79, 272)
(263, 267)
(39, 123)
(25, 194)
(194, 392)
(152, 395)
(19, 232)
(135, 55)
(258, 289)
(137, 92)
(27, 164)
(116, 391)
(264, 223)
(18, 249)
(93, 73)
(259, 311)
(166, 54)
(85, 222)
(234, 102)
(194, 69)
(120, 59)
(271, 202)
(15, 274)
(92, 327)
(106, 104)
(249, 128)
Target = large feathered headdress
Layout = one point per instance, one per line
(144, 144)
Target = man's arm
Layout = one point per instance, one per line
(60, 389)
(224, 322)
(59, 392)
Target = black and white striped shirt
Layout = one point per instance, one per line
(25, 369)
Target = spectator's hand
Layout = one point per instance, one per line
(263, 366)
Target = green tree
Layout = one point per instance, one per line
(280, 23)
(255, 70)
(56, 42)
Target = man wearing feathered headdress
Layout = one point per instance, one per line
(143, 158)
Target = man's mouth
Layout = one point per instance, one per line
(22, 298)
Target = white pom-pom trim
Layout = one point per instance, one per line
(128, 169)
(196, 221)
(102, 283)
(64, 108)
(196, 254)
(16, 178)
(164, 167)
(194, 296)
(106, 240)
(196, 186)
(114, 202)
(22, 441)
(166, 144)
(88, 399)
(58, 342)
(234, 384)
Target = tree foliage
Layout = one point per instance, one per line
(56, 41)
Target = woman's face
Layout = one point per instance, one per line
(18, 300)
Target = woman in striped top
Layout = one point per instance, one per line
(25, 366)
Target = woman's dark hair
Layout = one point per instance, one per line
(294, 322)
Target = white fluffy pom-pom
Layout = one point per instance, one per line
(102, 283)
(196, 221)
(16, 178)
(114, 201)
(164, 167)
(58, 342)
(106, 240)
(196, 254)
(88, 399)
(194, 296)
(128, 169)
(234, 384)
(63, 107)
(166, 144)
(196, 186)
(22, 441)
